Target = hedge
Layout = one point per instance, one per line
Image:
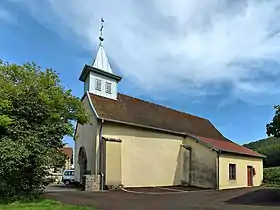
(271, 176)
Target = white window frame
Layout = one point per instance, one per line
(98, 84)
(108, 87)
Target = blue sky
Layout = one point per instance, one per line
(217, 60)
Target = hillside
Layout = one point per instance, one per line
(269, 147)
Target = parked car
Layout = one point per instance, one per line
(68, 177)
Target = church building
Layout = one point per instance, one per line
(135, 143)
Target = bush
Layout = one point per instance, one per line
(271, 176)
(36, 112)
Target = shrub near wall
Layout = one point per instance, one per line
(271, 176)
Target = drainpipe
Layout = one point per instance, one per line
(100, 156)
(218, 169)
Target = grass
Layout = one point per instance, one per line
(42, 204)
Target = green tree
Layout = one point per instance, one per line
(270, 147)
(273, 128)
(35, 114)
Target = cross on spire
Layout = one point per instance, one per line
(101, 61)
(101, 38)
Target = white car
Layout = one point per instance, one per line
(68, 177)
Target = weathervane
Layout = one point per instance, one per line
(101, 30)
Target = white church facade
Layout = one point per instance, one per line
(135, 143)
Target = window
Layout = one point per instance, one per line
(98, 84)
(69, 173)
(232, 172)
(108, 87)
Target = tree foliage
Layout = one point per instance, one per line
(271, 176)
(35, 114)
(273, 128)
(270, 147)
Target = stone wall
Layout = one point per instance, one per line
(92, 182)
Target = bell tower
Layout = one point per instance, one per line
(99, 78)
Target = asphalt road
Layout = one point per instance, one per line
(239, 199)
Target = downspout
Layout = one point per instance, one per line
(100, 156)
(218, 169)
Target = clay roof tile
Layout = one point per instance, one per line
(132, 110)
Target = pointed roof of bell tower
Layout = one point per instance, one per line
(101, 61)
(98, 78)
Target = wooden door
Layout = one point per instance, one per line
(250, 176)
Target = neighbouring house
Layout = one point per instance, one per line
(68, 151)
(136, 143)
(56, 173)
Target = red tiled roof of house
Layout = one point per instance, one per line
(228, 146)
(136, 111)
(67, 151)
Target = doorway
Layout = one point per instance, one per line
(249, 176)
(82, 162)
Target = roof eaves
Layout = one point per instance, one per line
(75, 132)
(87, 69)
(145, 126)
(91, 105)
(243, 153)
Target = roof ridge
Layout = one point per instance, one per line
(181, 112)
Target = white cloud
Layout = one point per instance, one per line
(193, 46)
(7, 16)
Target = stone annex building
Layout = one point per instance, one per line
(135, 143)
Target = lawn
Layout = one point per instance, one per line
(41, 205)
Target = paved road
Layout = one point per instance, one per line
(241, 199)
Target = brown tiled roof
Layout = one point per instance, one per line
(132, 110)
(67, 151)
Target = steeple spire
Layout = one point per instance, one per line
(101, 61)
(99, 78)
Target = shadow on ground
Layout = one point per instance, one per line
(261, 197)
(163, 189)
(61, 186)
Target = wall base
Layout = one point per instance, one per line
(92, 183)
